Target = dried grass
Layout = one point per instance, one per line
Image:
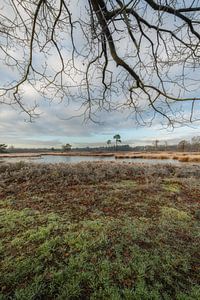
(183, 158)
(189, 158)
(194, 158)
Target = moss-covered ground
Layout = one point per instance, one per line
(99, 231)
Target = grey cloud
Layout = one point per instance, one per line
(52, 130)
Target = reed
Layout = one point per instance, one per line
(183, 158)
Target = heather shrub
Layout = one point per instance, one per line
(100, 230)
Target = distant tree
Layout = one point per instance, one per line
(11, 148)
(155, 143)
(183, 145)
(196, 143)
(108, 142)
(117, 139)
(166, 145)
(3, 148)
(66, 147)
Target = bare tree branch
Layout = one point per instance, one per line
(105, 54)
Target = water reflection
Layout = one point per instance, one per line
(47, 159)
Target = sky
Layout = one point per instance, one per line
(60, 123)
(53, 129)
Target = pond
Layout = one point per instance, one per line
(51, 159)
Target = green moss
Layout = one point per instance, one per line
(173, 214)
(124, 184)
(171, 187)
(6, 202)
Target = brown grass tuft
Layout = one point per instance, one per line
(194, 158)
(183, 158)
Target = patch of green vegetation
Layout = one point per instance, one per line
(7, 202)
(172, 214)
(106, 258)
(170, 186)
(113, 242)
(125, 184)
(118, 193)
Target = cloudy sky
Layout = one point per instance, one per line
(53, 129)
(61, 123)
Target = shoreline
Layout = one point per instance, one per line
(180, 156)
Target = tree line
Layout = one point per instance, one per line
(184, 145)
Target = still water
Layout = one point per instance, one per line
(51, 159)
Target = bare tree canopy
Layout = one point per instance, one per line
(106, 54)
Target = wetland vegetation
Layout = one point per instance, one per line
(100, 230)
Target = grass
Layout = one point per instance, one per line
(99, 231)
(180, 156)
